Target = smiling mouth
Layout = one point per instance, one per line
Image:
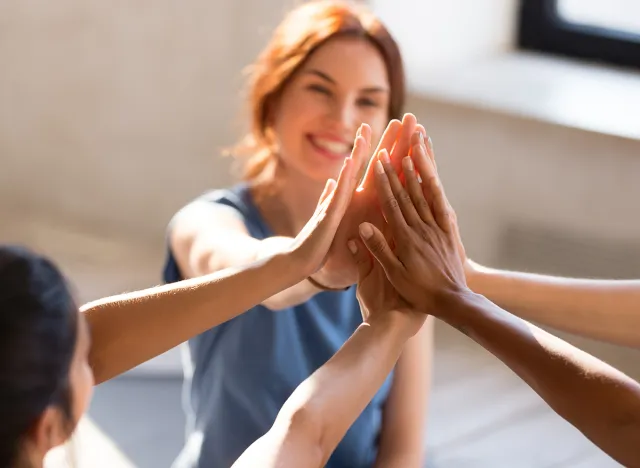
(330, 148)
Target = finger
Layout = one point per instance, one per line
(401, 149)
(336, 204)
(329, 187)
(377, 245)
(360, 152)
(429, 143)
(325, 197)
(416, 193)
(362, 258)
(432, 188)
(388, 203)
(404, 200)
(387, 141)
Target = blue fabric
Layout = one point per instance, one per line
(239, 374)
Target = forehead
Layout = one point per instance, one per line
(350, 61)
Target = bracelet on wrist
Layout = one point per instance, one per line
(323, 287)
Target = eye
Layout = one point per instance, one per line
(367, 102)
(319, 89)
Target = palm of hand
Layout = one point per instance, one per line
(340, 267)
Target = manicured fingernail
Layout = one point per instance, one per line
(408, 163)
(379, 167)
(353, 247)
(366, 231)
(384, 155)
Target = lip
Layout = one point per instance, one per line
(326, 153)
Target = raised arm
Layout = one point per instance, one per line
(130, 329)
(427, 270)
(320, 411)
(606, 310)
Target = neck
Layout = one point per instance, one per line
(289, 208)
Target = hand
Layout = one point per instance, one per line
(376, 295)
(340, 269)
(310, 247)
(425, 163)
(426, 263)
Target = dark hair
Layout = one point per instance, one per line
(38, 331)
(304, 30)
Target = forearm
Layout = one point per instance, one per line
(600, 401)
(405, 410)
(326, 404)
(296, 294)
(607, 310)
(130, 329)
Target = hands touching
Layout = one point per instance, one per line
(426, 263)
(311, 246)
(340, 269)
(419, 246)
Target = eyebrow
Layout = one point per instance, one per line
(325, 77)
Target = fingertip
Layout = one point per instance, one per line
(353, 247)
(366, 230)
(408, 118)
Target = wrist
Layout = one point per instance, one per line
(395, 322)
(453, 306)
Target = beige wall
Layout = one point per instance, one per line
(114, 113)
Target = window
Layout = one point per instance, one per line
(603, 30)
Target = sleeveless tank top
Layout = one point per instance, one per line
(239, 374)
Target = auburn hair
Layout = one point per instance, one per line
(303, 31)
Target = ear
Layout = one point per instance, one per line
(49, 431)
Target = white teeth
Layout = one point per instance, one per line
(332, 146)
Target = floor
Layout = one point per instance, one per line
(480, 414)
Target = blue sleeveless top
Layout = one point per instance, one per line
(239, 374)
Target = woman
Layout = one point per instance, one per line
(329, 67)
(50, 353)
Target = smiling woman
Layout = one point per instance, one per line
(329, 67)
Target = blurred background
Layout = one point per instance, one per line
(114, 114)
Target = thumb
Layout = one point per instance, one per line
(328, 190)
(361, 256)
(376, 244)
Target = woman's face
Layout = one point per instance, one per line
(342, 85)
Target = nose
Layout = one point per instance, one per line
(344, 117)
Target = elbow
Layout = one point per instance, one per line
(303, 426)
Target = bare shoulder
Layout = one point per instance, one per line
(203, 230)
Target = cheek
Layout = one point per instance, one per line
(296, 110)
(82, 391)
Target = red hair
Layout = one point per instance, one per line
(303, 31)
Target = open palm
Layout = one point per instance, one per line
(340, 269)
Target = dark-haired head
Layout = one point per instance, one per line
(45, 381)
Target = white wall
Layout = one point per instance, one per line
(436, 34)
(115, 113)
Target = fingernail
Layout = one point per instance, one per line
(353, 247)
(430, 143)
(366, 231)
(407, 162)
(384, 154)
(379, 167)
(421, 138)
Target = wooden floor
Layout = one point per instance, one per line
(480, 415)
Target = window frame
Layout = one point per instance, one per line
(541, 29)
